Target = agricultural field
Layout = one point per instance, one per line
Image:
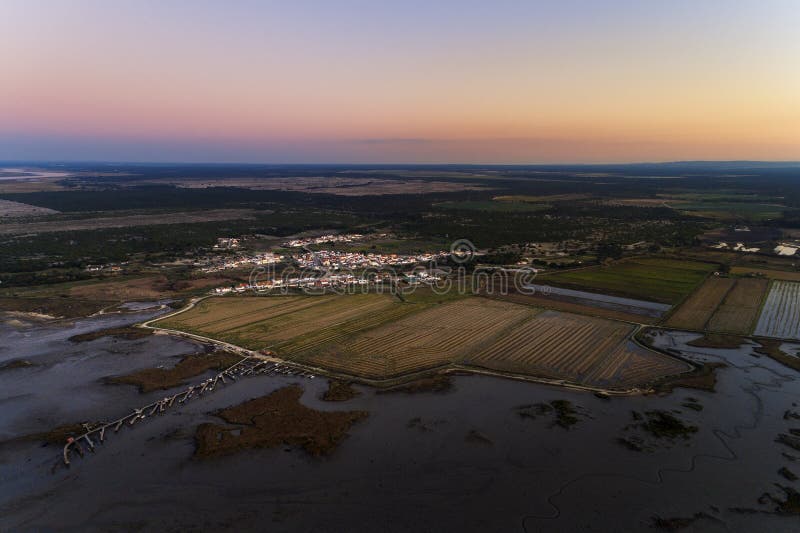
(780, 316)
(578, 349)
(721, 305)
(696, 311)
(651, 279)
(732, 210)
(378, 338)
(431, 338)
(580, 308)
(285, 323)
(740, 307)
(767, 273)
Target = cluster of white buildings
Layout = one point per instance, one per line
(224, 263)
(786, 249)
(342, 280)
(226, 243)
(738, 247)
(349, 260)
(322, 239)
(415, 277)
(103, 268)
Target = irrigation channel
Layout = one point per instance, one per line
(249, 366)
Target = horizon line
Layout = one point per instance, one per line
(379, 164)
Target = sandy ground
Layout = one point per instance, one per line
(9, 209)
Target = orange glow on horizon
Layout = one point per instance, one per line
(599, 94)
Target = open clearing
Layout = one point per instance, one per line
(780, 316)
(188, 217)
(9, 209)
(650, 278)
(721, 305)
(378, 338)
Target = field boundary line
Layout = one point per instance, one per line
(665, 318)
(707, 323)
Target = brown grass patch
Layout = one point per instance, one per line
(273, 420)
(339, 391)
(16, 364)
(126, 333)
(57, 307)
(438, 383)
(703, 378)
(122, 290)
(151, 379)
(716, 340)
(772, 348)
(57, 435)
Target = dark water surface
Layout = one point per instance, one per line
(461, 460)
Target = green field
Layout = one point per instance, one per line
(729, 210)
(653, 279)
(492, 205)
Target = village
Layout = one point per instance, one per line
(329, 238)
(322, 281)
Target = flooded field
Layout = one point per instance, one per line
(487, 454)
(780, 316)
(604, 301)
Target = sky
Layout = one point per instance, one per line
(445, 81)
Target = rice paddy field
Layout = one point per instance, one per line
(650, 278)
(740, 308)
(721, 305)
(377, 338)
(697, 310)
(780, 316)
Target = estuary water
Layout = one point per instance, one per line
(462, 460)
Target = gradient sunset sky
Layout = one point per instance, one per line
(489, 81)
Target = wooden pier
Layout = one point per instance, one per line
(249, 366)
